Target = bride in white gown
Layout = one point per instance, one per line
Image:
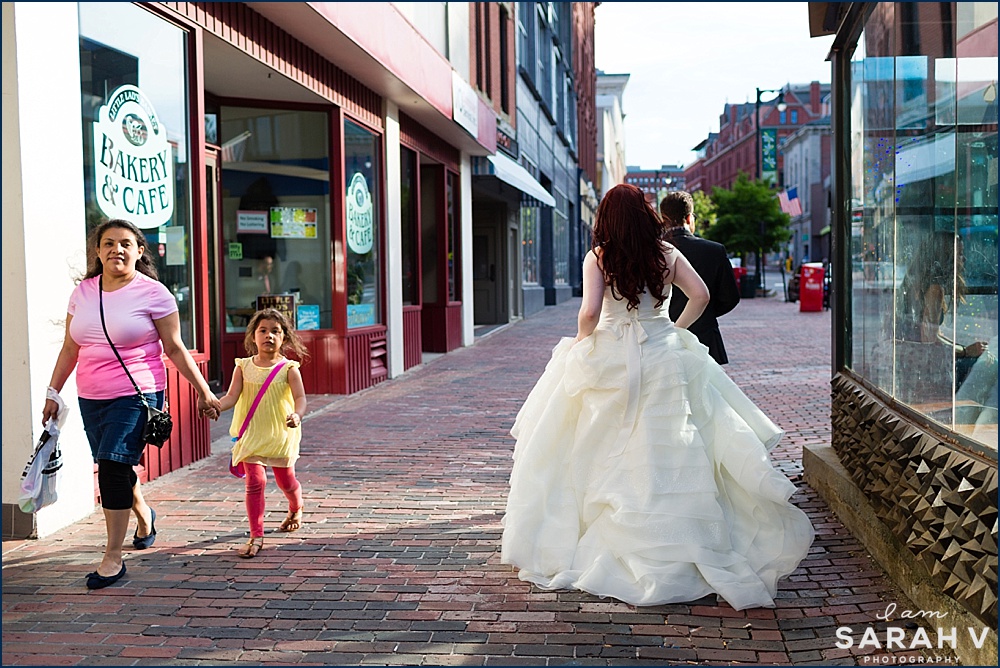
(641, 470)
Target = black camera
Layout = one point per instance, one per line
(159, 424)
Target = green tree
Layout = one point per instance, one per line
(749, 218)
(704, 211)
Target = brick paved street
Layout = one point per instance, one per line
(398, 560)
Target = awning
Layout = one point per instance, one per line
(510, 172)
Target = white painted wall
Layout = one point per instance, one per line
(459, 45)
(468, 315)
(394, 241)
(430, 20)
(445, 26)
(43, 241)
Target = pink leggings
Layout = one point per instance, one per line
(256, 481)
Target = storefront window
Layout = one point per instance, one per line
(453, 264)
(276, 214)
(364, 268)
(136, 144)
(529, 244)
(408, 223)
(924, 212)
(560, 240)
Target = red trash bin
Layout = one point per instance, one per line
(811, 287)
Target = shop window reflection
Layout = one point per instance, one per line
(924, 240)
(123, 44)
(361, 168)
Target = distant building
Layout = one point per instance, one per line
(807, 168)
(694, 174)
(611, 167)
(733, 149)
(547, 100)
(657, 182)
(587, 123)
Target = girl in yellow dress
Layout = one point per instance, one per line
(272, 436)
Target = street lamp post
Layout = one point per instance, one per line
(760, 167)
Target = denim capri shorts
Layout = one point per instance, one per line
(114, 426)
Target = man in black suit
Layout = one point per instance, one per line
(711, 262)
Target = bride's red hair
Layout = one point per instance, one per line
(628, 232)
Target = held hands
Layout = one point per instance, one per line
(209, 407)
(293, 420)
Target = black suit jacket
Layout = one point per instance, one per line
(709, 259)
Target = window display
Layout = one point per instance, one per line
(276, 212)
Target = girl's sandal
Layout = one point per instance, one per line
(292, 522)
(252, 547)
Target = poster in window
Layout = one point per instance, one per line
(360, 315)
(283, 303)
(251, 222)
(289, 222)
(308, 316)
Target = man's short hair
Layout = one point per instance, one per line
(676, 206)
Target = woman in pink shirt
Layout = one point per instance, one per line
(142, 321)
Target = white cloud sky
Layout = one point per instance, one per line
(687, 59)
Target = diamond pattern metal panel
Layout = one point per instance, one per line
(939, 501)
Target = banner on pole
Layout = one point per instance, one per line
(769, 154)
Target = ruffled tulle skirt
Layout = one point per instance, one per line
(641, 472)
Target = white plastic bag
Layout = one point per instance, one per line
(38, 481)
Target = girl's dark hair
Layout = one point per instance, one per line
(95, 267)
(628, 232)
(291, 340)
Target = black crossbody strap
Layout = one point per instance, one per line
(100, 289)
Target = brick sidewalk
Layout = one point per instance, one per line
(398, 560)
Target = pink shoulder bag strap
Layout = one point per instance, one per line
(239, 470)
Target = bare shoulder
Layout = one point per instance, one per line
(594, 257)
(670, 253)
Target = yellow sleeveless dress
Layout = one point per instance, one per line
(267, 440)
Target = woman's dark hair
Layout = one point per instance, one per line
(628, 231)
(290, 342)
(95, 267)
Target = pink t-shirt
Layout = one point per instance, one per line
(129, 313)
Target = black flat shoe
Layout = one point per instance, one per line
(96, 581)
(146, 541)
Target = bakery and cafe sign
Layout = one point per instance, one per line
(133, 164)
(360, 222)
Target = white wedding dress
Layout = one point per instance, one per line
(641, 472)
